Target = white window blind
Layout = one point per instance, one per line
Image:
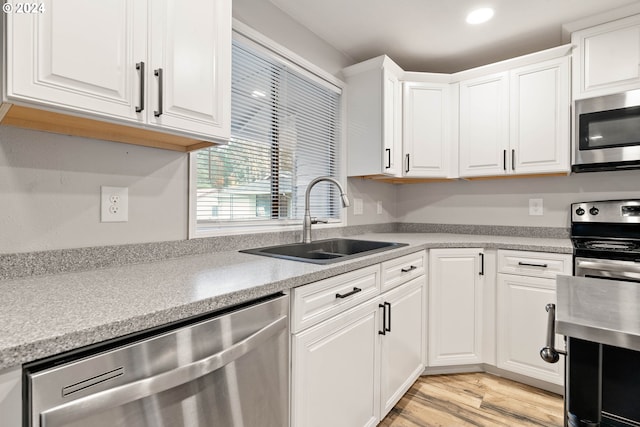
(285, 131)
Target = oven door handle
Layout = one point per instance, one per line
(550, 353)
(120, 395)
(627, 267)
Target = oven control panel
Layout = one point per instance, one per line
(620, 211)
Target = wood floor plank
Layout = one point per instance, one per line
(475, 400)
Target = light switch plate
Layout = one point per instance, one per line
(358, 208)
(535, 207)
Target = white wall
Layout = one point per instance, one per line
(506, 201)
(50, 191)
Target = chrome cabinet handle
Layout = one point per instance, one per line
(530, 264)
(384, 319)
(481, 273)
(513, 159)
(388, 150)
(406, 270)
(348, 294)
(549, 353)
(407, 170)
(504, 160)
(118, 396)
(158, 74)
(140, 68)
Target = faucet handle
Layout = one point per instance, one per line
(315, 220)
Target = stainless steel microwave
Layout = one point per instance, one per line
(607, 133)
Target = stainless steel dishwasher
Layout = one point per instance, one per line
(228, 370)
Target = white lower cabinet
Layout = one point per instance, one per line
(455, 306)
(401, 346)
(522, 326)
(525, 285)
(351, 369)
(335, 371)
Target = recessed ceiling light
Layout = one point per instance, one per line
(478, 16)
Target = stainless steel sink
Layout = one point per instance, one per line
(325, 251)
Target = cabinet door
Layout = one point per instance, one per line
(79, 55)
(522, 326)
(335, 371)
(607, 58)
(402, 345)
(391, 124)
(455, 307)
(540, 117)
(484, 125)
(191, 45)
(426, 129)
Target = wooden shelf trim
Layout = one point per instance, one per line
(403, 180)
(48, 121)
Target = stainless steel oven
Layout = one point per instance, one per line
(227, 370)
(602, 386)
(607, 133)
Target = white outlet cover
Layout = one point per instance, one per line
(535, 207)
(114, 204)
(379, 207)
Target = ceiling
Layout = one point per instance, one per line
(432, 35)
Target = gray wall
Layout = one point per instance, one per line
(371, 192)
(50, 191)
(506, 201)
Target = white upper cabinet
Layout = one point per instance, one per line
(191, 47)
(484, 125)
(374, 118)
(85, 65)
(427, 130)
(516, 121)
(607, 58)
(540, 118)
(163, 64)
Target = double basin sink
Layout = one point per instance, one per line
(325, 251)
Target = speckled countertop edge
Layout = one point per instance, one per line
(46, 315)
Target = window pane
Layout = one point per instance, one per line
(284, 132)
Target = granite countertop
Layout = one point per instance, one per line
(605, 313)
(46, 315)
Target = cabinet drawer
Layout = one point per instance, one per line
(536, 264)
(321, 300)
(400, 270)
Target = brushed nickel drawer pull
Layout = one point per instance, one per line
(406, 270)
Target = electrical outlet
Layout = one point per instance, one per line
(535, 207)
(114, 204)
(379, 207)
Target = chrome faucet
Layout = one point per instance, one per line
(306, 225)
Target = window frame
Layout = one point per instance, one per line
(294, 61)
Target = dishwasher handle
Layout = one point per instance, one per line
(117, 396)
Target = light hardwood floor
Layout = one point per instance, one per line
(475, 399)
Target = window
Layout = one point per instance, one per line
(285, 131)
